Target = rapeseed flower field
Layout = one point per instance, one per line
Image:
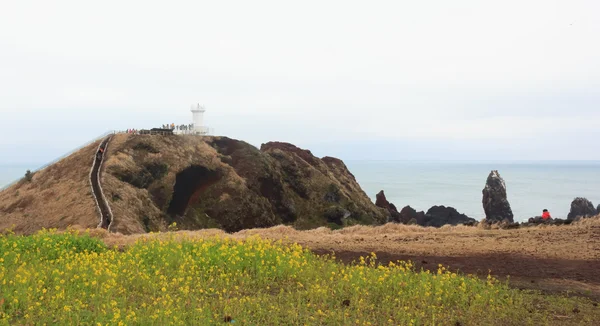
(71, 278)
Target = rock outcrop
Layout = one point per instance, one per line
(538, 220)
(436, 216)
(409, 215)
(581, 207)
(394, 215)
(441, 215)
(495, 202)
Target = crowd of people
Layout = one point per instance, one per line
(172, 126)
(179, 128)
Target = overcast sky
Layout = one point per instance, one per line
(464, 80)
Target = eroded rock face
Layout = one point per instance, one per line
(581, 207)
(394, 215)
(441, 215)
(495, 202)
(409, 214)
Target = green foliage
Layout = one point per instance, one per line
(28, 176)
(335, 214)
(68, 279)
(173, 227)
(47, 245)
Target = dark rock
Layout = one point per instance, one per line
(441, 215)
(394, 215)
(408, 214)
(557, 221)
(381, 201)
(538, 220)
(495, 202)
(581, 207)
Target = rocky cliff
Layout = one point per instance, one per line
(198, 182)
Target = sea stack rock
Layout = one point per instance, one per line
(381, 201)
(581, 207)
(495, 202)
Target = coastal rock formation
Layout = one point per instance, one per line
(581, 207)
(394, 215)
(495, 202)
(538, 220)
(152, 181)
(436, 216)
(441, 215)
(409, 214)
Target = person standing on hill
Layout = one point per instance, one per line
(546, 215)
(100, 153)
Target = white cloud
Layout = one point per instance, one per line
(337, 70)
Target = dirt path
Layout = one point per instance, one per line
(102, 204)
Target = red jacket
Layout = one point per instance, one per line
(546, 215)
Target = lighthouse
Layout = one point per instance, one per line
(198, 119)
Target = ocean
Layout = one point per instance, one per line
(531, 186)
(13, 172)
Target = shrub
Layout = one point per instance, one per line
(28, 176)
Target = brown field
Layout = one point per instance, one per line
(554, 259)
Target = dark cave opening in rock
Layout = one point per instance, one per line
(189, 184)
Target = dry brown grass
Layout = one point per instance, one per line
(578, 241)
(58, 196)
(134, 204)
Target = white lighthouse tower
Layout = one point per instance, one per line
(198, 119)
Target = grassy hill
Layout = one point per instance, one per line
(57, 196)
(197, 182)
